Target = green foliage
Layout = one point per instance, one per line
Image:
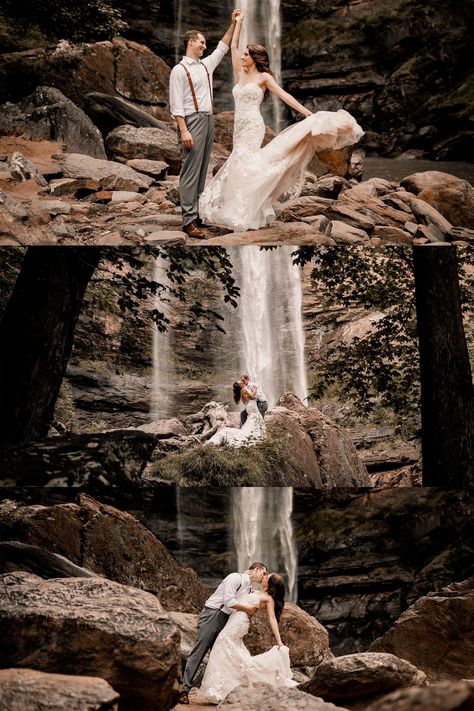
(262, 464)
(85, 21)
(381, 369)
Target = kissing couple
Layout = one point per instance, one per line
(223, 623)
(252, 427)
(255, 184)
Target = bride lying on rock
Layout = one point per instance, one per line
(230, 662)
(251, 431)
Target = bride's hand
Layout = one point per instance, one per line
(237, 16)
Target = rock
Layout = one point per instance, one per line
(107, 542)
(109, 112)
(264, 696)
(22, 168)
(110, 174)
(362, 675)
(431, 233)
(127, 142)
(343, 233)
(306, 206)
(338, 161)
(435, 633)
(166, 236)
(350, 217)
(451, 196)
(29, 690)
(36, 560)
(84, 625)
(76, 187)
(298, 233)
(427, 215)
(111, 458)
(165, 428)
(323, 452)
(446, 696)
(47, 114)
(156, 168)
(56, 207)
(328, 186)
(304, 635)
(118, 196)
(392, 235)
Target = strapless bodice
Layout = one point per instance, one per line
(247, 97)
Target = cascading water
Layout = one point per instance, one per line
(270, 330)
(163, 369)
(263, 531)
(178, 30)
(262, 25)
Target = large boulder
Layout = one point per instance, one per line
(34, 559)
(110, 174)
(445, 696)
(30, 690)
(264, 696)
(107, 542)
(127, 142)
(436, 633)
(110, 111)
(48, 115)
(362, 675)
(324, 453)
(306, 638)
(91, 626)
(451, 196)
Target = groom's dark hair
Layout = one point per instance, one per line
(190, 36)
(257, 565)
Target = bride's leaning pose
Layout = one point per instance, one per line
(230, 662)
(256, 184)
(251, 431)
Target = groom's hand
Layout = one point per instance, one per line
(251, 610)
(186, 139)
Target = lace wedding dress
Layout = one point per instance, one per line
(251, 432)
(231, 664)
(256, 184)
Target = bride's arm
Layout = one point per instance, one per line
(272, 86)
(234, 45)
(248, 394)
(273, 621)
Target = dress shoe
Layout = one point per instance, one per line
(192, 230)
(200, 223)
(183, 698)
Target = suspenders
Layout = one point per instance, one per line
(241, 584)
(191, 85)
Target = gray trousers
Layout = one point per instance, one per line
(210, 623)
(195, 162)
(262, 408)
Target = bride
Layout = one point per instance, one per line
(256, 184)
(253, 429)
(230, 662)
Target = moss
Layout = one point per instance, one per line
(260, 465)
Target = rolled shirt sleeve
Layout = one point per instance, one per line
(216, 57)
(177, 77)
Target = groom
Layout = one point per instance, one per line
(260, 397)
(215, 615)
(191, 106)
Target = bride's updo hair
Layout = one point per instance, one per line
(262, 61)
(276, 589)
(236, 387)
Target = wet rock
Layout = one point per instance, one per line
(435, 633)
(306, 638)
(108, 542)
(127, 142)
(47, 114)
(29, 690)
(362, 675)
(451, 196)
(81, 626)
(110, 174)
(273, 699)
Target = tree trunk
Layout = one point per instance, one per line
(36, 336)
(447, 394)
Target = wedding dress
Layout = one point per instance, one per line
(231, 664)
(256, 184)
(251, 432)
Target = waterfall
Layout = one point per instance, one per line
(163, 371)
(270, 327)
(262, 25)
(178, 39)
(263, 531)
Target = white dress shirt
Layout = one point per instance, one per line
(260, 395)
(229, 592)
(181, 98)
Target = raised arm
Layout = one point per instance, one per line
(234, 47)
(272, 86)
(273, 621)
(230, 30)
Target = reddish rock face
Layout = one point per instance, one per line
(451, 196)
(306, 638)
(108, 542)
(435, 633)
(91, 626)
(29, 690)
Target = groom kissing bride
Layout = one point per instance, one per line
(223, 623)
